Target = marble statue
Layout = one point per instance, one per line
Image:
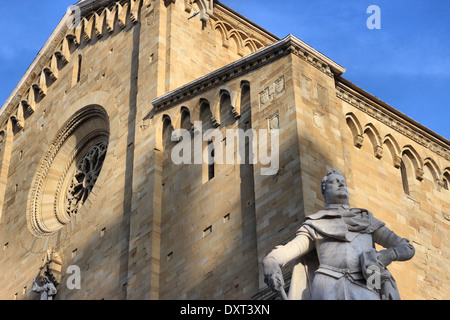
(47, 290)
(334, 253)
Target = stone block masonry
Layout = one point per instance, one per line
(136, 71)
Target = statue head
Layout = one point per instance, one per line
(334, 188)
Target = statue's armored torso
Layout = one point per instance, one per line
(342, 254)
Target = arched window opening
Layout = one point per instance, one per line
(208, 166)
(167, 134)
(76, 73)
(446, 181)
(80, 59)
(185, 119)
(245, 95)
(210, 160)
(227, 117)
(404, 178)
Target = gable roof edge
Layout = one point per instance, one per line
(38, 63)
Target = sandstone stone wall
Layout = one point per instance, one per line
(118, 59)
(151, 229)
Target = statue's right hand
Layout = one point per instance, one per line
(273, 276)
(276, 282)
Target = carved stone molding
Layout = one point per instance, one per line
(206, 8)
(41, 220)
(392, 120)
(243, 40)
(56, 54)
(188, 5)
(271, 53)
(52, 266)
(224, 15)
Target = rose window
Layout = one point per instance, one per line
(68, 171)
(86, 174)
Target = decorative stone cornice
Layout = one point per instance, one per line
(56, 50)
(87, 6)
(226, 15)
(288, 45)
(391, 117)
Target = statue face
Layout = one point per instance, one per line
(336, 190)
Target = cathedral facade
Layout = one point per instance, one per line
(90, 194)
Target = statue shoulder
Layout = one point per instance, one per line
(318, 215)
(360, 210)
(374, 222)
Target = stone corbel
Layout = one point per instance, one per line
(378, 152)
(176, 136)
(226, 43)
(89, 28)
(188, 5)
(134, 10)
(27, 106)
(41, 86)
(440, 184)
(30, 101)
(64, 54)
(419, 174)
(397, 162)
(122, 14)
(236, 103)
(215, 121)
(206, 8)
(358, 141)
(49, 275)
(39, 89)
(17, 122)
(169, 2)
(48, 71)
(61, 57)
(109, 19)
(54, 70)
(52, 266)
(98, 25)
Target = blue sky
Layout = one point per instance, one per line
(406, 63)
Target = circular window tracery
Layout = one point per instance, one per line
(85, 177)
(68, 172)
